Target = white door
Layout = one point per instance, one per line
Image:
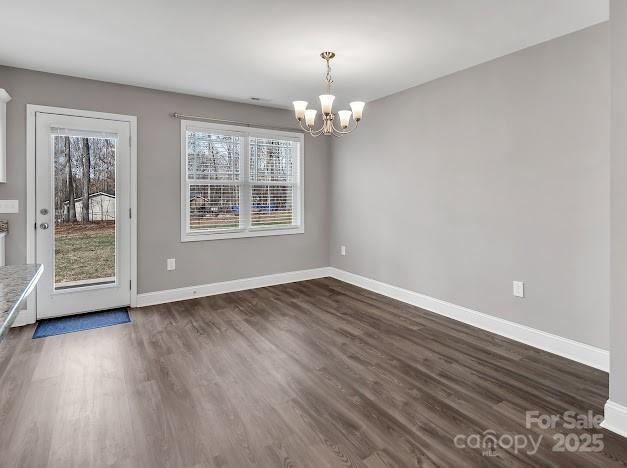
(82, 197)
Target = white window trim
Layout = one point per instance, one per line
(245, 133)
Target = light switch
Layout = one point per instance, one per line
(519, 289)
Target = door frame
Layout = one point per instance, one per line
(31, 212)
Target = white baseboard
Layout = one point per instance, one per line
(580, 352)
(24, 317)
(615, 418)
(180, 294)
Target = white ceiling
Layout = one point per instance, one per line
(235, 49)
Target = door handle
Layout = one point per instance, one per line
(44, 226)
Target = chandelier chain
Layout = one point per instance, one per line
(327, 76)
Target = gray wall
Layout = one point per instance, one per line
(159, 181)
(501, 172)
(618, 304)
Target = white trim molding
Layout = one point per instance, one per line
(4, 98)
(190, 292)
(29, 315)
(25, 317)
(615, 418)
(244, 183)
(580, 352)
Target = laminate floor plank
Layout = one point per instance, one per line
(314, 374)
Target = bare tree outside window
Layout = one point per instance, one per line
(69, 180)
(85, 180)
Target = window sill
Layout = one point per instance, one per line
(242, 233)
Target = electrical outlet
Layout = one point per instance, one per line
(9, 206)
(518, 288)
(342, 250)
(171, 264)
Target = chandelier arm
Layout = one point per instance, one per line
(300, 122)
(309, 130)
(346, 132)
(314, 133)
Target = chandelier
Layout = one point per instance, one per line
(326, 103)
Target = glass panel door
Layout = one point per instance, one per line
(83, 235)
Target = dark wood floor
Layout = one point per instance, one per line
(317, 373)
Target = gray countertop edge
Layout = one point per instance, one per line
(12, 315)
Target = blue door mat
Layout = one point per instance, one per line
(74, 323)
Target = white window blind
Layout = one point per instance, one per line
(213, 180)
(273, 180)
(240, 183)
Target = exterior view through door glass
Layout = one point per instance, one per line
(82, 201)
(84, 205)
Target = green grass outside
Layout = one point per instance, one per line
(272, 220)
(231, 221)
(84, 256)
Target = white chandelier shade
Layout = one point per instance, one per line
(345, 117)
(326, 103)
(310, 117)
(302, 113)
(357, 107)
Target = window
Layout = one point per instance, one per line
(240, 182)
